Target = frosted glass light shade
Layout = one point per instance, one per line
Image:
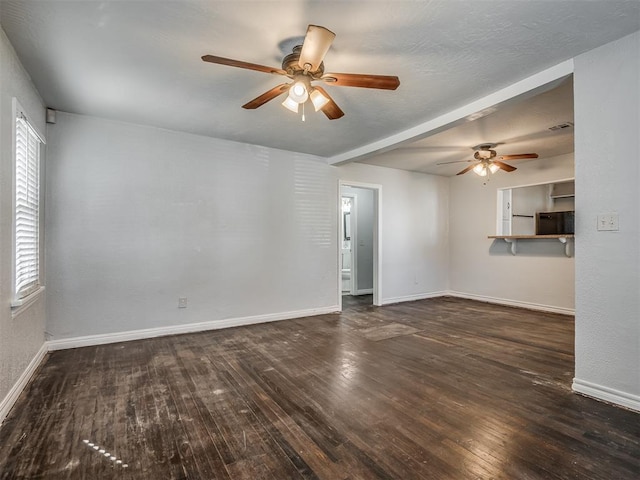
(480, 169)
(318, 100)
(290, 104)
(494, 168)
(298, 92)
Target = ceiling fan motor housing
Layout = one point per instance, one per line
(484, 154)
(290, 64)
(303, 65)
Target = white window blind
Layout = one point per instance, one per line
(27, 210)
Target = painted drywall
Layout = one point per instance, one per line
(364, 236)
(414, 216)
(138, 217)
(607, 118)
(539, 276)
(21, 337)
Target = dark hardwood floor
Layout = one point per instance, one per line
(434, 389)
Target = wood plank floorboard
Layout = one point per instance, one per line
(442, 388)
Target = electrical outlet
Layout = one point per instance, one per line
(182, 302)
(608, 222)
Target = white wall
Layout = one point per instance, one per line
(414, 230)
(22, 337)
(607, 118)
(539, 276)
(364, 233)
(138, 217)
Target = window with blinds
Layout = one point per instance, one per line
(27, 210)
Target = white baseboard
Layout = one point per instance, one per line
(481, 298)
(513, 303)
(10, 399)
(101, 339)
(411, 298)
(609, 395)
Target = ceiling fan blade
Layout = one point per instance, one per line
(456, 161)
(331, 109)
(465, 170)
(383, 82)
(265, 97)
(520, 156)
(237, 63)
(504, 166)
(315, 46)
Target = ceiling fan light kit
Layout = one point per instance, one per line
(290, 104)
(299, 92)
(485, 161)
(483, 169)
(304, 65)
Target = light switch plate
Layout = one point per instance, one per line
(608, 222)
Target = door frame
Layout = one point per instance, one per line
(353, 224)
(377, 238)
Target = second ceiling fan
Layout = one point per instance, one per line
(303, 66)
(486, 160)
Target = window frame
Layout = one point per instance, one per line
(21, 298)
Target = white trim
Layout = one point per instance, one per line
(353, 226)
(19, 306)
(607, 394)
(339, 247)
(377, 245)
(530, 86)
(18, 111)
(377, 238)
(414, 297)
(500, 200)
(513, 303)
(10, 399)
(101, 339)
(353, 220)
(480, 298)
(17, 108)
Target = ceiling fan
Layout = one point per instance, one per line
(303, 66)
(486, 160)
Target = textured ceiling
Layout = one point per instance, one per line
(139, 61)
(521, 126)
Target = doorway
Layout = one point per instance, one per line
(359, 243)
(348, 270)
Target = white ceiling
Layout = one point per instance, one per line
(521, 126)
(139, 61)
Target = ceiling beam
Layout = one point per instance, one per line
(528, 87)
